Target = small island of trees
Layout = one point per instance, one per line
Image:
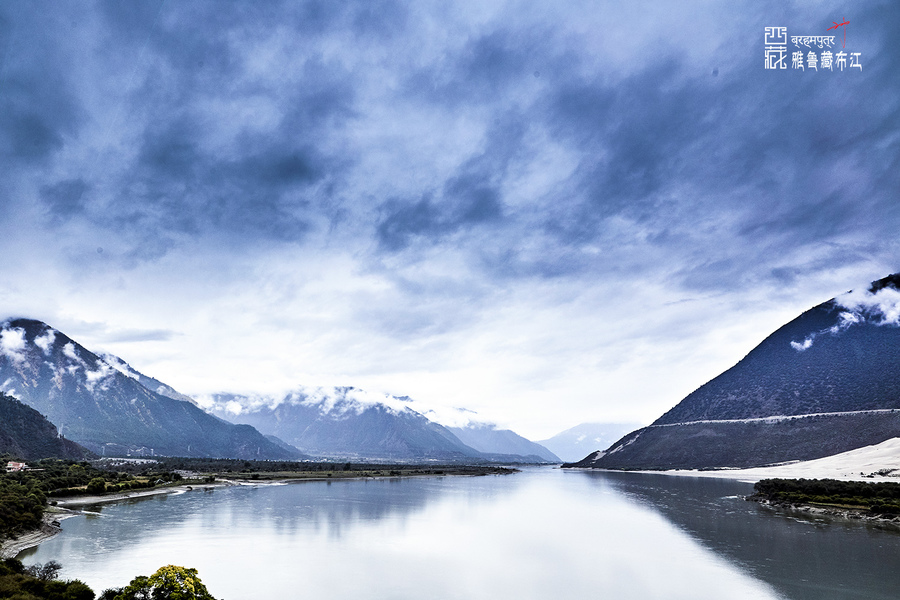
(878, 499)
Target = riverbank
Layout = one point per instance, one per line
(852, 514)
(50, 526)
(67, 506)
(70, 501)
(877, 463)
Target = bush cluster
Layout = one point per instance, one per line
(39, 583)
(878, 498)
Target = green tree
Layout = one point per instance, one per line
(78, 590)
(168, 583)
(97, 485)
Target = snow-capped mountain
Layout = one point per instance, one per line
(348, 422)
(151, 383)
(95, 403)
(342, 422)
(824, 383)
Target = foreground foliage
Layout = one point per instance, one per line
(877, 498)
(39, 582)
(168, 583)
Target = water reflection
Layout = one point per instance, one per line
(801, 556)
(540, 534)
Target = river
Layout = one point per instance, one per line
(544, 533)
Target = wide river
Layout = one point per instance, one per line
(543, 533)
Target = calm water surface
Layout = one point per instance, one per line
(540, 534)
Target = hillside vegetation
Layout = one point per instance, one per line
(26, 434)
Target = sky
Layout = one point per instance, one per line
(546, 213)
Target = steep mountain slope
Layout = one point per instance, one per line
(152, 384)
(579, 441)
(486, 438)
(26, 434)
(95, 404)
(834, 369)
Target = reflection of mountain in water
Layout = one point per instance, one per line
(332, 507)
(802, 557)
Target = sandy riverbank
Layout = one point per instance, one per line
(880, 462)
(119, 496)
(50, 523)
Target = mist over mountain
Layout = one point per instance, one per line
(822, 384)
(341, 423)
(26, 434)
(577, 442)
(95, 403)
(487, 438)
(346, 422)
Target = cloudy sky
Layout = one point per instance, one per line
(547, 213)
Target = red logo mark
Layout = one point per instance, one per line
(844, 25)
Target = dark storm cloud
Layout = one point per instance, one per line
(64, 199)
(181, 188)
(38, 108)
(464, 203)
(782, 161)
(469, 198)
(483, 70)
(271, 184)
(710, 163)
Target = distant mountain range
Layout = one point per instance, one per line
(102, 404)
(488, 439)
(577, 442)
(345, 422)
(26, 434)
(822, 384)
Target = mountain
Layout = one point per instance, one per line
(97, 405)
(346, 422)
(486, 438)
(822, 384)
(579, 441)
(152, 384)
(26, 434)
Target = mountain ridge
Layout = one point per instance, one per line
(27, 434)
(345, 422)
(833, 365)
(107, 411)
